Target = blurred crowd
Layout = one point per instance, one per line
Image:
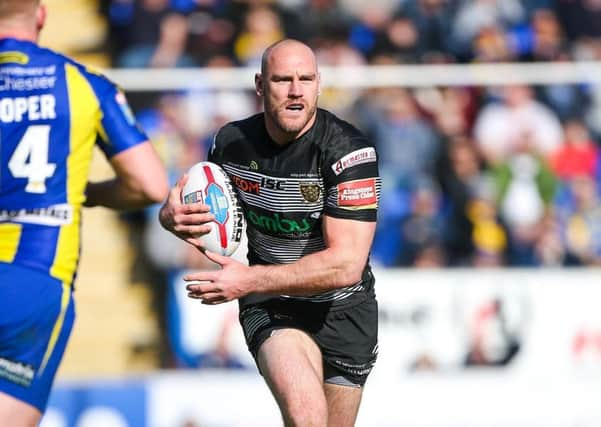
(472, 176)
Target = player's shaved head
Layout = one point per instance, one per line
(285, 46)
(10, 9)
(21, 19)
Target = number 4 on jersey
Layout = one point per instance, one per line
(30, 159)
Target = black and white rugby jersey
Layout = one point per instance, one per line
(284, 190)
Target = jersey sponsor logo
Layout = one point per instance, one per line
(245, 185)
(35, 107)
(27, 79)
(52, 215)
(254, 165)
(16, 372)
(276, 224)
(359, 193)
(357, 157)
(272, 184)
(254, 187)
(310, 192)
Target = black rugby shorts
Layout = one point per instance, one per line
(346, 336)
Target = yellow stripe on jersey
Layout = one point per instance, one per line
(84, 109)
(14, 57)
(10, 235)
(58, 326)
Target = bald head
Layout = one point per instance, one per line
(289, 85)
(284, 48)
(21, 18)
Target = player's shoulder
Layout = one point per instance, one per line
(238, 130)
(337, 134)
(98, 80)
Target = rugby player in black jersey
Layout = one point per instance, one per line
(309, 186)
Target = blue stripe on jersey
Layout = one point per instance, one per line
(39, 240)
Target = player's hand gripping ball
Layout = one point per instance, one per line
(209, 184)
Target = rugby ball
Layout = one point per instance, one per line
(209, 184)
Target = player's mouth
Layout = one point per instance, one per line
(295, 106)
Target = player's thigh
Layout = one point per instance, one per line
(36, 317)
(349, 343)
(291, 363)
(343, 404)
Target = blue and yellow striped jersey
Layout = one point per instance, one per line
(52, 113)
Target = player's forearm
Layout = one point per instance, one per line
(116, 194)
(312, 274)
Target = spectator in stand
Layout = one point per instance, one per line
(491, 44)
(135, 23)
(582, 22)
(368, 32)
(501, 126)
(432, 20)
(579, 214)
(526, 187)
(579, 155)
(460, 178)
(403, 41)
(421, 231)
(169, 51)
(317, 21)
(474, 15)
(407, 142)
(261, 28)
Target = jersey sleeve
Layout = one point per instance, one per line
(351, 179)
(215, 154)
(118, 129)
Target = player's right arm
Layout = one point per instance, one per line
(186, 221)
(140, 178)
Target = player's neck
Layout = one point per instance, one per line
(281, 137)
(19, 33)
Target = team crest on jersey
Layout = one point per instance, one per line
(310, 192)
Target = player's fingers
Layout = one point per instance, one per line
(193, 218)
(193, 241)
(219, 299)
(181, 182)
(209, 299)
(201, 280)
(217, 258)
(195, 208)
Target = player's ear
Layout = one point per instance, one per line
(40, 17)
(318, 83)
(259, 84)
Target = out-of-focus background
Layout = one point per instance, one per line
(487, 118)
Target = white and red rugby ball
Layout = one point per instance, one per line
(209, 184)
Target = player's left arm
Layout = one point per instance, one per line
(141, 178)
(349, 224)
(340, 264)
